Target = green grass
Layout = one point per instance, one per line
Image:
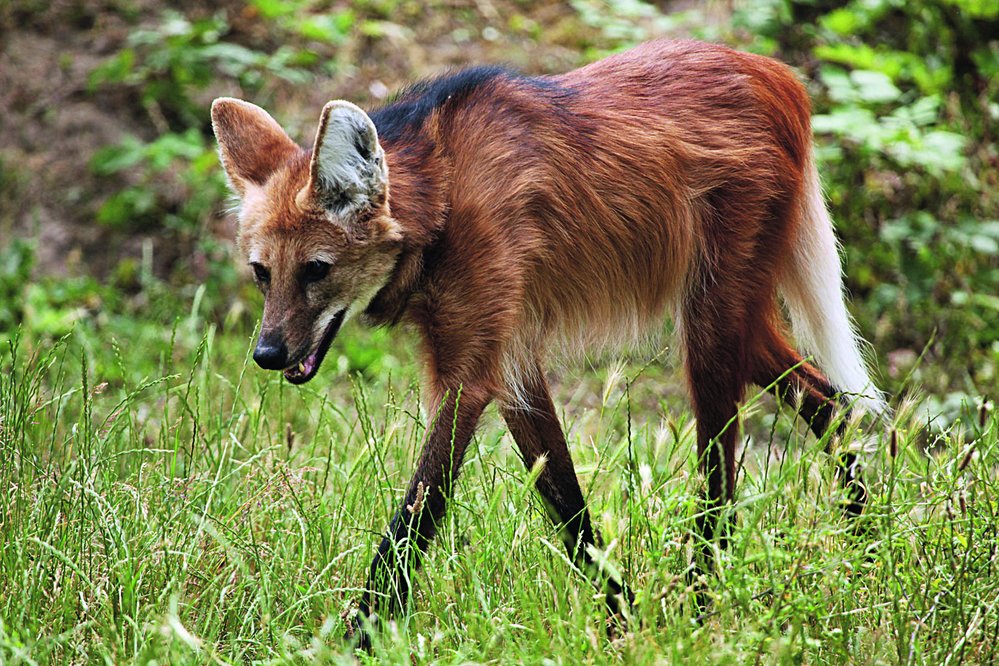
(195, 509)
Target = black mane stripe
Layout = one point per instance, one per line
(409, 109)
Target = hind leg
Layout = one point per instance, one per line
(715, 357)
(782, 370)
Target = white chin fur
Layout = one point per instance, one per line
(364, 299)
(324, 321)
(359, 304)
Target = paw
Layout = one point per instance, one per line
(358, 632)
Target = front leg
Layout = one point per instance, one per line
(536, 430)
(466, 310)
(415, 523)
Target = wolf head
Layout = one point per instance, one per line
(315, 225)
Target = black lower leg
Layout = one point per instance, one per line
(714, 522)
(415, 523)
(398, 555)
(537, 432)
(851, 480)
(819, 406)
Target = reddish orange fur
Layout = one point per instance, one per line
(534, 218)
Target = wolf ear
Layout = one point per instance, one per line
(251, 143)
(348, 171)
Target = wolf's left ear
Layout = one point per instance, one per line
(348, 171)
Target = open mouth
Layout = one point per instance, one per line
(307, 368)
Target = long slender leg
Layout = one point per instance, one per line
(537, 432)
(714, 361)
(422, 510)
(716, 406)
(470, 289)
(774, 358)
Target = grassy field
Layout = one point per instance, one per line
(196, 509)
(164, 501)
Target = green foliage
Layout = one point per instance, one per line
(16, 262)
(173, 183)
(167, 65)
(42, 310)
(909, 136)
(902, 123)
(625, 23)
(294, 16)
(187, 161)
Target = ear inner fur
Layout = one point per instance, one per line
(252, 145)
(348, 171)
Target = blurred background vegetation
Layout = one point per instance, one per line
(113, 219)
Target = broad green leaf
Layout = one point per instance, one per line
(874, 87)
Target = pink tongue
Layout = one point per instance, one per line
(305, 368)
(309, 363)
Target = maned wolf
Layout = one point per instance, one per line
(511, 220)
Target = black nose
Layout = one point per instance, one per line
(271, 353)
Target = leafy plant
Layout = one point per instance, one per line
(16, 262)
(294, 16)
(166, 65)
(187, 160)
(46, 309)
(172, 183)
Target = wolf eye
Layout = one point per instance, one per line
(314, 271)
(262, 274)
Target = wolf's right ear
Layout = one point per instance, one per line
(251, 144)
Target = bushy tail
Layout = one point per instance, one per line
(812, 288)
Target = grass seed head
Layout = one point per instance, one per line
(417, 506)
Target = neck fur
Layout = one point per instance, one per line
(418, 202)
